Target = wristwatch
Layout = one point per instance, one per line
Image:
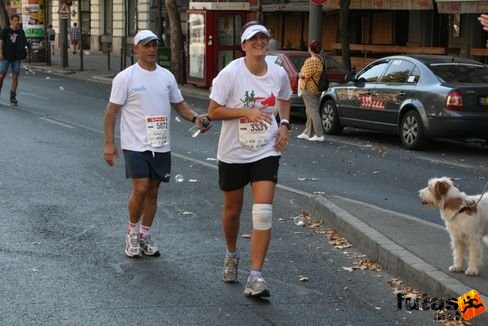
(285, 123)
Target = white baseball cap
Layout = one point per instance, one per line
(145, 36)
(253, 30)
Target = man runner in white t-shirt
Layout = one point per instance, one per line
(144, 92)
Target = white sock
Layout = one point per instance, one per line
(144, 231)
(133, 228)
(232, 254)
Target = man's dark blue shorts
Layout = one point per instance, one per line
(147, 164)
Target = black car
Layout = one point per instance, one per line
(418, 97)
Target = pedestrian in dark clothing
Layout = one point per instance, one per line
(13, 49)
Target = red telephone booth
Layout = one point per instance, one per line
(213, 38)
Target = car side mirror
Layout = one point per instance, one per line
(350, 77)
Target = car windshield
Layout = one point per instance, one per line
(460, 73)
(298, 61)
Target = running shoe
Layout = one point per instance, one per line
(230, 269)
(132, 248)
(147, 246)
(256, 287)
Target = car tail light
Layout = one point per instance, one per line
(294, 84)
(454, 101)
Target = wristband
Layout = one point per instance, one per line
(285, 123)
(194, 118)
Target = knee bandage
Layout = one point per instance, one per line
(262, 216)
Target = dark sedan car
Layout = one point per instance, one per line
(418, 97)
(292, 62)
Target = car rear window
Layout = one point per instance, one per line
(272, 59)
(334, 65)
(460, 73)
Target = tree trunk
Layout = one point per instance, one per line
(344, 33)
(4, 20)
(176, 41)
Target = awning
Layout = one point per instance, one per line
(383, 4)
(462, 7)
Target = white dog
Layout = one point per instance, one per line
(466, 220)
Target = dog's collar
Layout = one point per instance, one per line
(464, 208)
(461, 210)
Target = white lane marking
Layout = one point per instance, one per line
(57, 122)
(457, 164)
(34, 96)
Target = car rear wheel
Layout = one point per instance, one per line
(330, 118)
(412, 131)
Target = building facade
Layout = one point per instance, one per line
(408, 23)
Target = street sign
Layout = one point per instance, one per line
(164, 57)
(64, 10)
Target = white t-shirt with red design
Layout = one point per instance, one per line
(236, 87)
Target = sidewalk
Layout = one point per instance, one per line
(415, 251)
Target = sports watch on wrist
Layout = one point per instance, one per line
(285, 123)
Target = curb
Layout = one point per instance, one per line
(398, 261)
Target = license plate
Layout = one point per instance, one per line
(484, 100)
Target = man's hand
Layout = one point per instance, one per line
(203, 123)
(110, 154)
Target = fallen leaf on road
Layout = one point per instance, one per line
(368, 264)
(246, 236)
(185, 213)
(302, 278)
(35, 270)
(348, 269)
(394, 282)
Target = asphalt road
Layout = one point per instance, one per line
(64, 217)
